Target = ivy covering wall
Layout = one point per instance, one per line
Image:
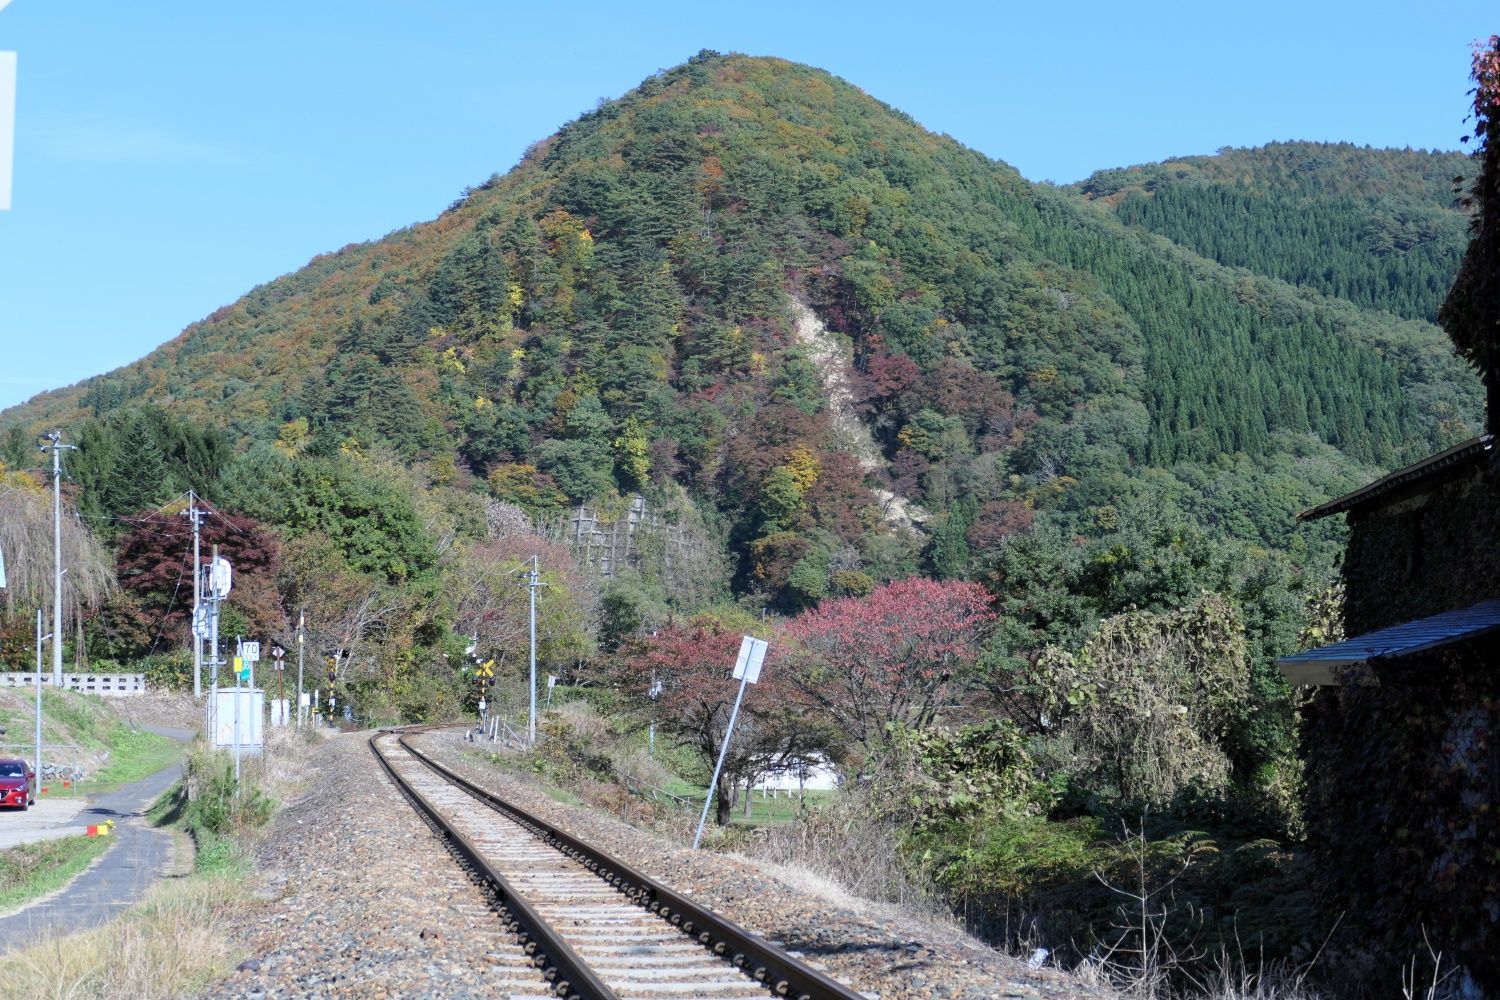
(1403, 776)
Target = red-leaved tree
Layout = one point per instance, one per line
(1471, 313)
(692, 661)
(155, 563)
(893, 656)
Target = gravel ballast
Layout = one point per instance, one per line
(888, 956)
(357, 897)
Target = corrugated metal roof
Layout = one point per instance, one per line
(1318, 666)
(1452, 460)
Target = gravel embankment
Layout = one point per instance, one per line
(171, 710)
(891, 957)
(359, 899)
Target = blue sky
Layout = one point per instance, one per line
(172, 155)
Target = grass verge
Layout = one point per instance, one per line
(174, 942)
(31, 870)
(133, 754)
(180, 938)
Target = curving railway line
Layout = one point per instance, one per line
(587, 926)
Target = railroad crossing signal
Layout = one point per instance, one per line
(485, 669)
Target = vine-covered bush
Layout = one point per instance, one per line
(1142, 715)
(1471, 315)
(929, 776)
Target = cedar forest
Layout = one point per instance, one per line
(1057, 539)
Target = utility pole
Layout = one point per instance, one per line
(219, 582)
(655, 693)
(195, 515)
(301, 635)
(532, 584)
(56, 447)
(39, 640)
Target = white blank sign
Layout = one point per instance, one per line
(752, 655)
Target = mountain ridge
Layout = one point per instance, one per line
(616, 313)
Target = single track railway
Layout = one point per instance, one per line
(588, 926)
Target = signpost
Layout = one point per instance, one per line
(655, 693)
(239, 665)
(746, 671)
(220, 580)
(279, 707)
(484, 673)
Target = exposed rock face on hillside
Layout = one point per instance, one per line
(850, 433)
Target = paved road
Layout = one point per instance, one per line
(57, 815)
(138, 854)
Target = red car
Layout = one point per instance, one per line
(17, 783)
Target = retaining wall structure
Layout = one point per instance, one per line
(607, 545)
(107, 685)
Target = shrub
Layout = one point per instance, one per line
(168, 671)
(214, 805)
(1143, 712)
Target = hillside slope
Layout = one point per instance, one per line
(616, 314)
(1382, 228)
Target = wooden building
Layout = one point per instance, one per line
(1402, 736)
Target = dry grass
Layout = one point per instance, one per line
(282, 768)
(640, 767)
(587, 725)
(173, 942)
(850, 861)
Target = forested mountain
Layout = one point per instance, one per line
(832, 352)
(614, 315)
(1381, 228)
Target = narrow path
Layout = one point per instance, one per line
(137, 855)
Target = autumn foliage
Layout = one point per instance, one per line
(893, 656)
(155, 564)
(1471, 315)
(692, 662)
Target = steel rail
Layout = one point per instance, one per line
(782, 974)
(567, 974)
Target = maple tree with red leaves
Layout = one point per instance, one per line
(693, 661)
(155, 563)
(1471, 314)
(892, 656)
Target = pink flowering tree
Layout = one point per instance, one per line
(896, 655)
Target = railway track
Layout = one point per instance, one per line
(587, 926)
